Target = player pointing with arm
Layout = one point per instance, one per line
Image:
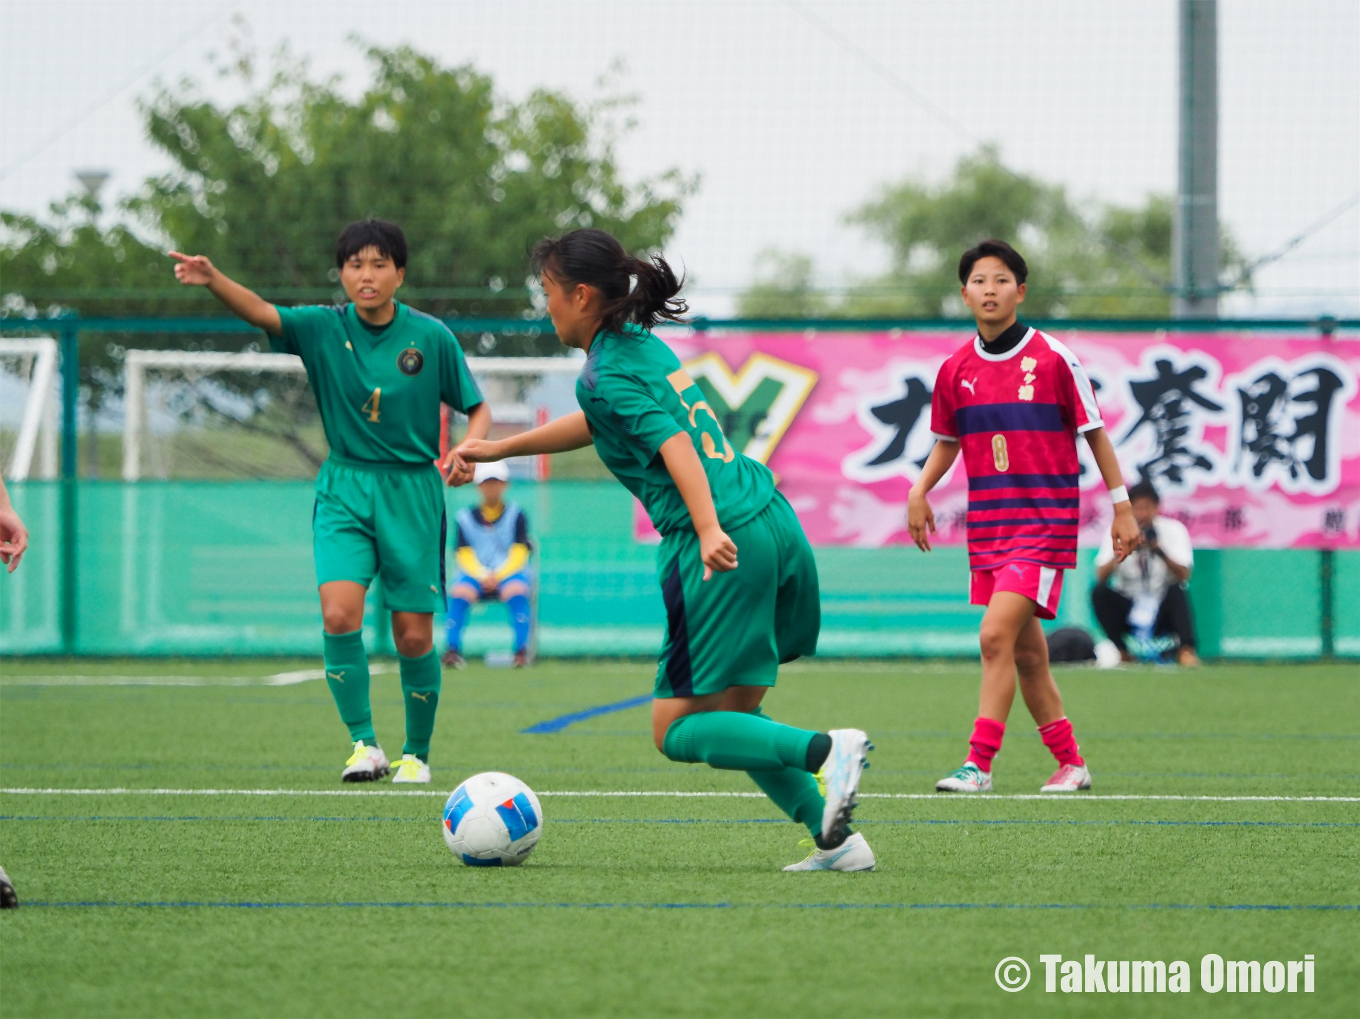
(737, 574)
(379, 371)
(1014, 400)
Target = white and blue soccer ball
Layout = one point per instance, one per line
(492, 820)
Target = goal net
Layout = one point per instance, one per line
(205, 414)
(28, 408)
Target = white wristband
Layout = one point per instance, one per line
(1118, 495)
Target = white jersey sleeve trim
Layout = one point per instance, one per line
(1085, 392)
(944, 438)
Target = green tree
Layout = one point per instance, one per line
(1107, 262)
(783, 288)
(264, 186)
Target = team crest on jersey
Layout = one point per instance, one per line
(410, 361)
(755, 406)
(1027, 365)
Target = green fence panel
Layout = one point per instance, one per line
(30, 597)
(1346, 603)
(210, 568)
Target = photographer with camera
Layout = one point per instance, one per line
(1146, 592)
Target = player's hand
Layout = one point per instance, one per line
(490, 584)
(456, 470)
(193, 270)
(920, 519)
(479, 451)
(13, 539)
(1124, 532)
(717, 551)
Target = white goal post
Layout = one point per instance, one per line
(37, 359)
(501, 379)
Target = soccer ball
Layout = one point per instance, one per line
(492, 820)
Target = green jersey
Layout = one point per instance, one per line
(636, 395)
(379, 391)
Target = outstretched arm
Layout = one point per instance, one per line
(1124, 530)
(716, 549)
(197, 271)
(456, 470)
(560, 436)
(920, 519)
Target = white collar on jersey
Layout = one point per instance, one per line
(977, 345)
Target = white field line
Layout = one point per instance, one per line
(277, 679)
(678, 794)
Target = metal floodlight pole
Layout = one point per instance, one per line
(1194, 253)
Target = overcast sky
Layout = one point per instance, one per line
(792, 111)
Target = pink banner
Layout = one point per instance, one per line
(1251, 440)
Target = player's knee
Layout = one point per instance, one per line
(341, 619)
(1030, 663)
(514, 590)
(465, 592)
(412, 644)
(993, 640)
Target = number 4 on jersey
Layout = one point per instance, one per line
(680, 381)
(370, 406)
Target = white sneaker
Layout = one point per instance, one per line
(852, 854)
(840, 777)
(968, 779)
(366, 764)
(1107, 655)
(1068, 779)
(411, 769)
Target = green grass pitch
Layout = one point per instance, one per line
(335, 905)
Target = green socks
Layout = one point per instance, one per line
(347, 676)
(420, 690)
(777, 757)
(736, 741)
(793, 790)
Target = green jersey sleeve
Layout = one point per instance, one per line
(625, 406)
(301, 328)
(457, 387)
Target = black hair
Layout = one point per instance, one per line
(597, 259)
(386, 237)
(992, 248)
(1145, 490)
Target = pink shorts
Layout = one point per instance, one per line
(1040, 584)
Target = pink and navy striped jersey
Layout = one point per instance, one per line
(1017, 416)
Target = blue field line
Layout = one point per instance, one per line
(1208, 907)
(562, 721)
(689, 820)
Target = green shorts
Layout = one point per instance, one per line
(735, 629)
(384, 521)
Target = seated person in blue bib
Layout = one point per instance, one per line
(492, 559)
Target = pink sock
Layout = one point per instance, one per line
(1057, 736)
(985, 743)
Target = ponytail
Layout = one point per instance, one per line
(597, 259)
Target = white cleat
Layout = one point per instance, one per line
(411, 769)
(1068, 779)
(366, 764)
(852, 854)
(968, 779)
(840, 777)
(1107, 655)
